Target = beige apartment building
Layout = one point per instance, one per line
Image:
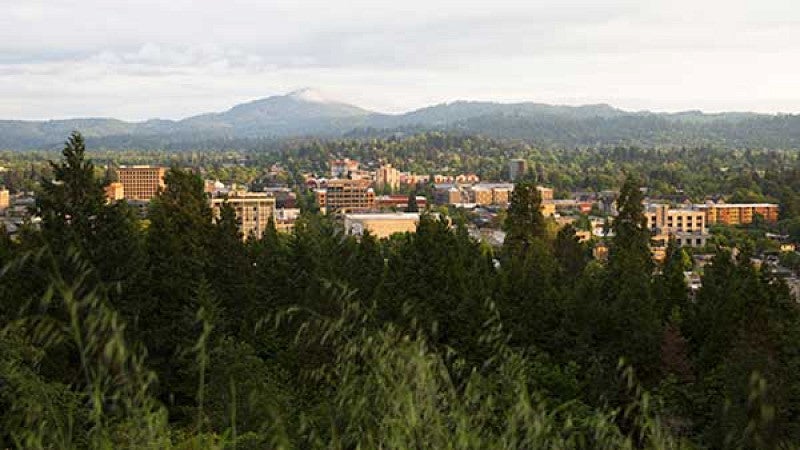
(141, 182)
(386, 175)
(688, 227)
(253, 210)
(662, 217)
(345, 195)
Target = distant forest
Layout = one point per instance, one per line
(546, 126)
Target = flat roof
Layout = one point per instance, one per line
(382, 216)
(737, 205)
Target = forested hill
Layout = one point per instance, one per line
(308, 113)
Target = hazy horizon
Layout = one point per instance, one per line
(150, 59)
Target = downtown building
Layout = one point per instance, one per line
(140, 183)
(344, 195)
(253, 211)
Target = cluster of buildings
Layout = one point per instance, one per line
(139, 184)
(486, 194)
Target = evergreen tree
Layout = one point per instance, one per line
(412, 202)
(571, 255)
(670, 288)
(230, 270)
(70, 203)
(178, 249)
(524, 221)
(632, 321)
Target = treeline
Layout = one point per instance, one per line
(176, 333)
(696, 170)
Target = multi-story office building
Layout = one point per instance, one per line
(387, 176)
(738, 213)
(345, 195)
(517, 169)
(141, 182)
(253, 210)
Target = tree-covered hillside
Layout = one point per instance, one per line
(306, 114)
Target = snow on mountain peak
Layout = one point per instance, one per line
(310, 95)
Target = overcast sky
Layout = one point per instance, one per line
(174, 58)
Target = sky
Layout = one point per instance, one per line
(142, 59)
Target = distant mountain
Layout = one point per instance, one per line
(310, 113)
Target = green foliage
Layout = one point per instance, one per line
(524, 221)
(183, 335)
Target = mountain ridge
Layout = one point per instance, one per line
(308, 112)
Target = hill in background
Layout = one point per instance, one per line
(309, 113)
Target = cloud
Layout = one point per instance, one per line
(175, 58)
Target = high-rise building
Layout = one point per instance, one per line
(253, 210)
(517, 169)
(347, 195)
(387, 176)
(141, 182)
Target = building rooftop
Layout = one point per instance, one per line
(737, 205)
(383, 216)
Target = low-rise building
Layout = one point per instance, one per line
(738, 213)
(399, 202)
(380, 225)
